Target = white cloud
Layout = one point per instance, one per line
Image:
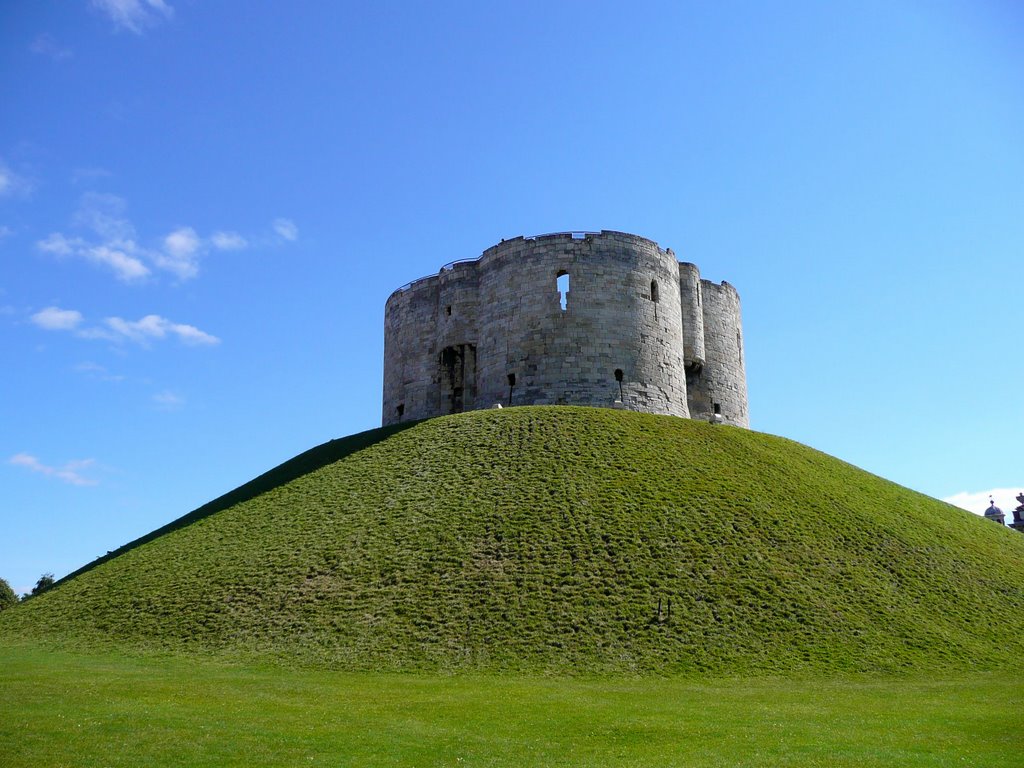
(116, 255)
(134, 15)
(228, 241)
(56, 319)
(115, 245)
(286, 228)
(168, 401)
(13, 184)
(46, 45)
(59, 245)
(148, 328)
(977, 501)
(117, 329)
(117, 249)
(69, 473)
(119, 258)
(182, 243)
(180, 253)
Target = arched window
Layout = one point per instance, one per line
(618, 377)
(562, 283)
(654, 290)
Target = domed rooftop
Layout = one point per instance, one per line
(993, 512)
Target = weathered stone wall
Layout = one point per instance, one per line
(693, 314)
(494, 331)
(723, 379)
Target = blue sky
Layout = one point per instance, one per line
(204, 206)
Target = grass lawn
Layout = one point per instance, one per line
(542, 541)
(68, 709)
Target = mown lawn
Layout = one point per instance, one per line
(68, 709)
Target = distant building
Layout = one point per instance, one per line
(994, 513)
(1018, 514)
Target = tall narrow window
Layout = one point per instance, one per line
(400, 410)
(654, 290)
(511, 386)
(618, 378)
(562, 281)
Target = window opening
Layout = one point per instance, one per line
(562, 282)
(400, 410)
(448, 310)
(618, 378)
(654, 290)
(739, 346)
(511, 386)
(718, 409)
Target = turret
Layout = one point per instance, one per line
(693, 316)
(994, 513)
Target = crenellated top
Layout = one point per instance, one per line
(510, 245)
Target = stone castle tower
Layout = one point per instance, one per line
(576, 318)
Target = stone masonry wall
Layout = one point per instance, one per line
(723, 379)
(494, 330)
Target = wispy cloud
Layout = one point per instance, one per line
(87, 174)
(97, 372)
(149, 328)
(134, 15)
(70, 472)
(286, 229)
(13, 183)
(977, 501)
(180, 253)
(5, 232)
(116, 250)
(56, 319)
(113, 243)
(116, 329)
(228, 241)
(46, 45)
(168, 401)
(119, 256)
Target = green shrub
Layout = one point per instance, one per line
(7, 596)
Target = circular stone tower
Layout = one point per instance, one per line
(578, 318)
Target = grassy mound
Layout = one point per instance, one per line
(562, 540)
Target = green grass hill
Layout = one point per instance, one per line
(559, 540)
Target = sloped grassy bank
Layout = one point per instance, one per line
(569, 541)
